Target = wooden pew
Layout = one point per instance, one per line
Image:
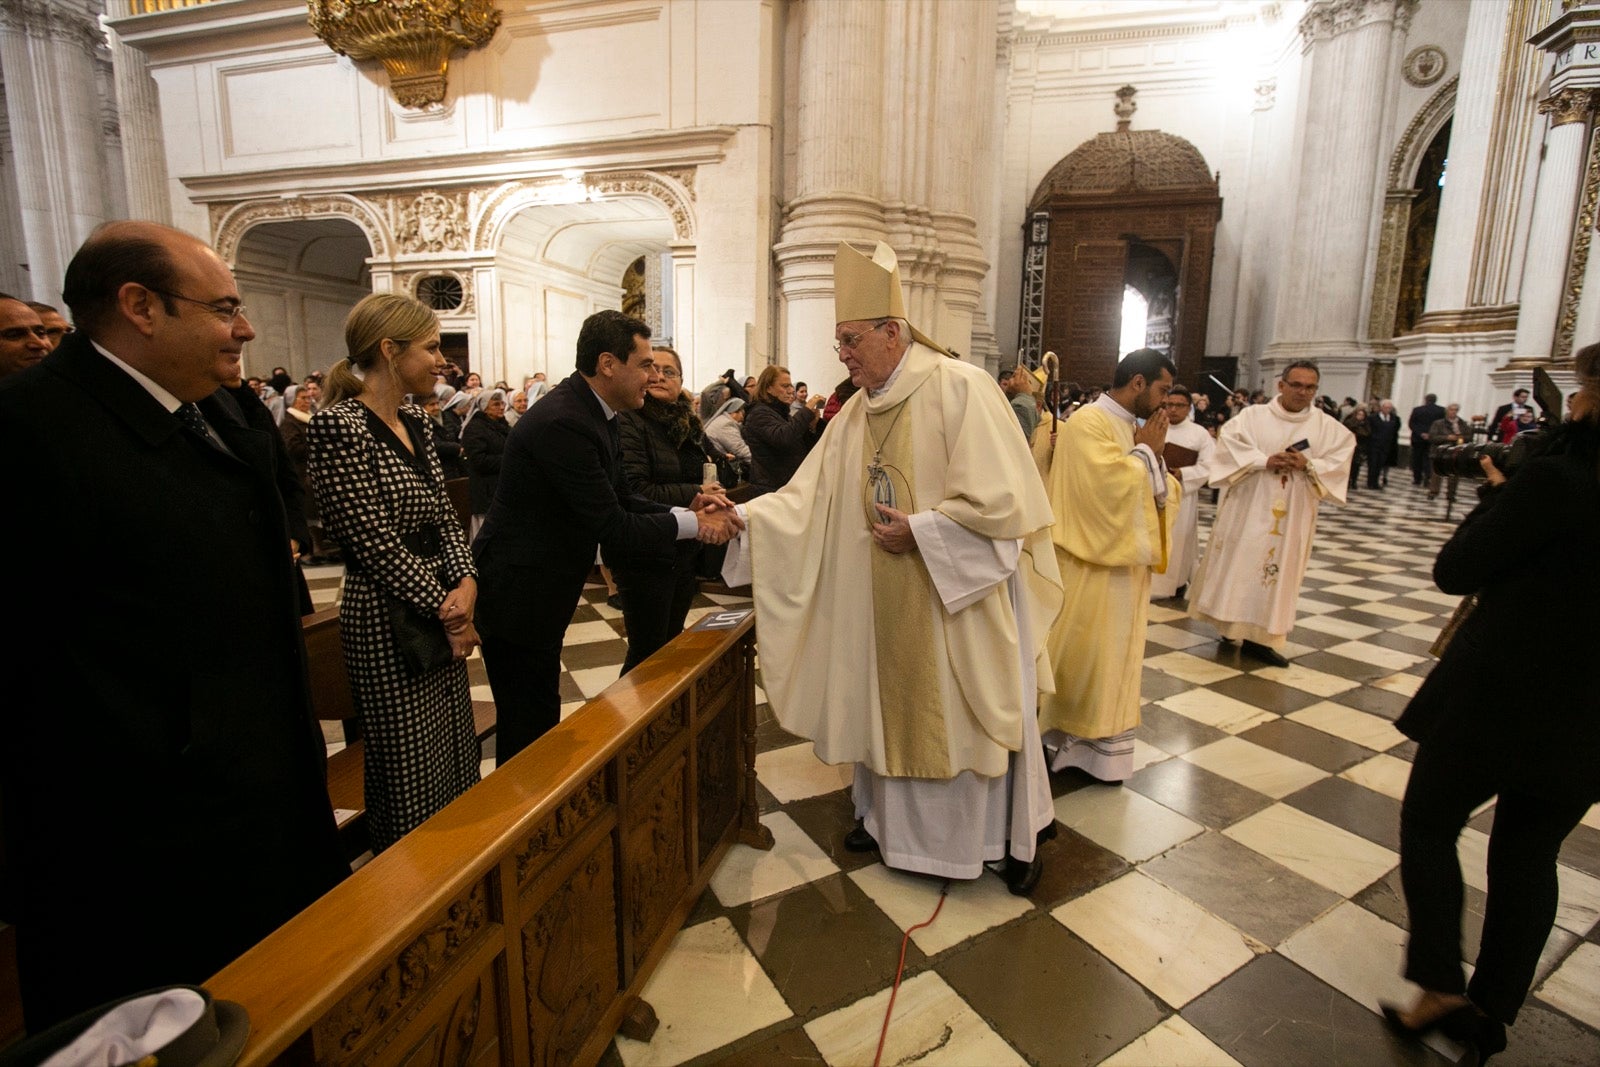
(518, 925)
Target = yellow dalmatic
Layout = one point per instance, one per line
(858, 652)
(1109, 535)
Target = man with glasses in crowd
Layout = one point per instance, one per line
(1275, 463)
(24, 339)
(194, 761)
(55, 327)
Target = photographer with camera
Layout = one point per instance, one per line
(1535, 530)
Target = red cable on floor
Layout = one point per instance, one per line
(883, 1035)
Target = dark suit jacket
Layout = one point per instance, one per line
(162, 777)
(1500, 413)
(562, 492)
(1423, 416)
(1384, 444)
(1515, 686)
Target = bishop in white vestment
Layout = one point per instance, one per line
(1183, 430)
(904, 583)
(1275, 463)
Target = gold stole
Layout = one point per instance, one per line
(915, 742)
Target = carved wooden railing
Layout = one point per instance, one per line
(518, 925)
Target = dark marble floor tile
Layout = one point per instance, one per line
(586, 614)
(1264, 694)
(1545, 1038)
(1385, 899)
(1301, 635)
(826, 819)
(619, 626)
(1264, 899)
(1401, 643)
(1582, 850)
(1069, 781)
(1406, 750)
(570, 690)
(1297, 741)
(1207, 798)
(1073, 865)
(1364, 812)
(1054, 998)
(765, 801)
(1272, 1012)
(1380, 702)
(1155, 685)
(769, 735)
(594, 654)
(1194, 626)
(824, 944)
(1174, 733)
(787, 1047)
(1337, 598)
(708, 907)
(1342, 666)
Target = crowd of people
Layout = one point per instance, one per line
(898, 514)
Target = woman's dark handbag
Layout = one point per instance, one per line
(419, 638)
(1463, 609)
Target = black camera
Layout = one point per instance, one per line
(1462, 461)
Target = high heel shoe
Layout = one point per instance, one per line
(1483, 1036)
(1394, 1015)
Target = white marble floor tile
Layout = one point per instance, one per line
(1384, 774)
(1191, 668)
(970, 908)
(1368, 731)
(747, 874)
(794, 773)
(1343, 553)
(1377, 655)
(1326, 854)
(1396, 612)
(1175, 637)
(1366, 977)
(486, 767)
(1337, 627)
(931, 1025)
(1128, 823)
(481, 692)
(585, 633)
(1433, 596)
(1160, 614)
(1404, 581)
(1174, 1043)
(1579, 908)
(605, 611)
(570, 707)
(1404, 684)
(1420, 630)
(1592, 820)
(594, 680)
(1144, 754)
(1255, 767)
(1575, 987)
(709, 990)
(1216, 709)
(1307, 605)
(1175, 948)
(1376, 568)
(1318, 683)
(1358, 592)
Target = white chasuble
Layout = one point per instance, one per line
(1247, 583)
(1186, 530)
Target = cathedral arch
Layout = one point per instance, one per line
(230, 222)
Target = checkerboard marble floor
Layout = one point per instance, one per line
(1237, 901)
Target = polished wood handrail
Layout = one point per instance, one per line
(310, 967)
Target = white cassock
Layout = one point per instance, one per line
(1249, 581)
(1186, 532)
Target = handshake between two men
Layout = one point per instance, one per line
(719, 516)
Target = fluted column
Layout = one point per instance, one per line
(144, 157)
(47, 60)
(1555, 204)
(1349, 47)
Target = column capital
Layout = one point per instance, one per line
(48, 21)
(1568, 105)
(1326, 19)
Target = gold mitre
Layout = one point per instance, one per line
(870, 289)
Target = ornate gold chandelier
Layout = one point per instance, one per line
(412, 38)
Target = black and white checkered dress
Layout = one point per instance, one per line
(421, 745)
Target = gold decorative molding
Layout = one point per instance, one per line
(1469, 320)
(1391, 263)
(231, 220)
(1568, 105)
(413, 39)
(1578, 259)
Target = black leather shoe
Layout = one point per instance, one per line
(1483, 1036)
(858, 840)
(1263, 653)
(1022, 878)
(1049, 833)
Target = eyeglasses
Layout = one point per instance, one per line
(850, 340)
(56, 333)
(668, 372)
(19, 333)
(230, 312)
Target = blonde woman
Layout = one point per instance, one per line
(411, 587)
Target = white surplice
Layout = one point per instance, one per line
(1249, 581)
(1186, 532)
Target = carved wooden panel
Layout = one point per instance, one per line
(720, 775)
(569, 950)
(371, 1015)
(720, 678)
(467, 1035)
(655, 737)
(655, 855)
(576, 812)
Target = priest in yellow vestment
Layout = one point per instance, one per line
(904, 584)
(1115, 505)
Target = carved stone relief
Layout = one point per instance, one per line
(1568, 105)
(1330, 18)
(430, 221)
(1424, 65)
(230, 221)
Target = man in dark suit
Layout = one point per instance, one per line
(1423, 416)
(562, 493)
(187, 816)
(24, 338)
(1382, 445)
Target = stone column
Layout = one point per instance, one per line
(1349, 46)
(1555, 204)
(144, 157)
(47, 57)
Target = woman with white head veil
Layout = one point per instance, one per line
(483, 438)
(455, 413)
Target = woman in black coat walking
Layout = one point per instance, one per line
(483, 439)
(1512, 710)
(778, 438)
